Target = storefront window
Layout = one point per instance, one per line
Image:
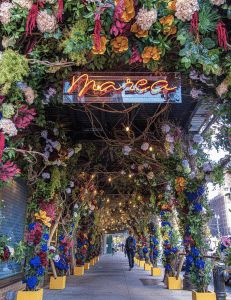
(12, 221)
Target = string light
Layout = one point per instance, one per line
(127, 128)
(108, 200)
(130, 175)
(109, 179)
(150, 148)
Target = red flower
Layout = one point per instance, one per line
(6, 254)
(43, 258)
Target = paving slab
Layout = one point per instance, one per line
(110, 279)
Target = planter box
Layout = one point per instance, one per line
(79, 271)
(141, 263)
(86, 266)
(92, 262)
(147, 267)
(156, 271)
(175, 284)
(58, 283)
(203, 296)
(30, 295)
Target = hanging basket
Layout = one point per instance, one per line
(203, 296)
(30, 295)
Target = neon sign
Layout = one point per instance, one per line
(123, 88)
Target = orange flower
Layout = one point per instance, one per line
(103, 42)
(128, 10)
(150, 53)
(170, 30)
(168, 20)
(42, 216)
(138, 31)
(180, 184)
(119, 44)
(172, 5)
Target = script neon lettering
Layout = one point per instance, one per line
(84, 85)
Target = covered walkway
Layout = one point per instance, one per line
(110, 279)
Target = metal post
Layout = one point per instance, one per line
(219, 277)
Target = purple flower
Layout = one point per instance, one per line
(200, 263)
(197, 207)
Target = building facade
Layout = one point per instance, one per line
(220, 224)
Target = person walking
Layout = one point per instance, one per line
(130, 248)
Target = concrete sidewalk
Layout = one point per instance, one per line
(110, 279)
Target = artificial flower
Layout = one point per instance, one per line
(42, 216)
(217, 2)
(32, 282)
(119, 44)
(102, 48)
(126, 150)
(135, 58)
(24, 117)
(8, 170)
(8, 127)
(185, 9)
(144, 146)
(135, 28)
(167, 20)
(5, 12)
(7, 110)
(180, 184)
(146, 18)
(172, 5)
(35, 262)
(128, 11)
(46, 22)
(150, 53)
(165, 128)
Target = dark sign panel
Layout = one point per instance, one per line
(123, 88)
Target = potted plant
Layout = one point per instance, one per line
(154, 251)
(36, 258)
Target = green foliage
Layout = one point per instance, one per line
(207, 18)
(78, 43)
(201, 278)
(13, 68)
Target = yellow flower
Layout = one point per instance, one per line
(135, 28)
(168, 20)
(172, 5)
(102, 49)
(128, 10)
(119, 44)
(150, 53)
(170, 30)
(42, 216)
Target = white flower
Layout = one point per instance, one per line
(76, 206)
(133, 166)
(145, 165)
(44, 134)
(150, 175)
(165, 128)
(146, 18)
(171, 148)
(123, 172)
(145, 146)
(169, 138)
(56, 145)
(217, 2)
(92, 207)
(68, 190)
(56, 258)
(75, 214)
(126, 150)
(185, 9)
(71, 184)
(51, 248)
(154, 156)
(192, 151)
(11, 249)
(8, 127)
(55, 131)
(198, 139)
(46, 175)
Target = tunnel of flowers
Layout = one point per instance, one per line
(149, 175)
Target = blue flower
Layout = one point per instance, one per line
(32, 282)
(40, 271)
(174, 249)
(168, 267)
(197, 207)
(44, 248)
(167, 252)
(61, 248)
(195, 251)
(145, 249)
(154, 241)
(61, 237)
(155, 253)
(35, 262)
(46, 236)
(200, 263)
(0, 115)
(31, 226)
(165, 223)
(189, 259)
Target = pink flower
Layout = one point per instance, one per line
(49, 208)
(24, 117)
(8, 171)
(136, 58)
(226, 241)
(2, 98)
